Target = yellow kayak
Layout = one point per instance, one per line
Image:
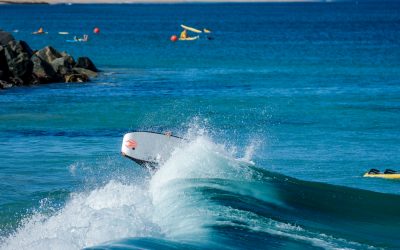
(384, 176)
(189, 38)
(388, 174)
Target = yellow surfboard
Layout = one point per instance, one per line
(191, 29)
(189, 38)
(384, 176)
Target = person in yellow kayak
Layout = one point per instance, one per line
(183, 34)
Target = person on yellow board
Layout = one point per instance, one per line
(184, 34)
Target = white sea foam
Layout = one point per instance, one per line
(111, 212)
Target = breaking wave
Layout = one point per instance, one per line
(204, 196)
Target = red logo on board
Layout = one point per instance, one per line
(131, 144)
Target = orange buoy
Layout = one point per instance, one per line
(174, 38)
(96, 30)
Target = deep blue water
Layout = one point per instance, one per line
(306, 90)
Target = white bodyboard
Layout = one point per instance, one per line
(149, 148)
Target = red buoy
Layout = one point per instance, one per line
(174, 38)
(96, 30)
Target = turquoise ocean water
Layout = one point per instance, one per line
(304, 90)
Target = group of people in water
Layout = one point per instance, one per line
(183, 36)
(85, 37)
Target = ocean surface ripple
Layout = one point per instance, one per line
(284, 111)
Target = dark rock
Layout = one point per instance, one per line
(19, 47)
(43, 71)
(86, 63)
(5, 85)
(63, 65)
(5, 38)
(17, 54)
(87, 72)
(26, 48)
(63, 53)
(35, 80)
(70, 60)
(16, 81)
(5, 73)
(48, 54)
(76, 78)
(19, 65)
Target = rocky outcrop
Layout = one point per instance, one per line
(18, 55)
(19, 65)
(86, 63)
(63, 65)
(5, 85)
(87, 72)
(48, 54)
(43, 71)
(4, 72)
(76, 78)
(5, 38)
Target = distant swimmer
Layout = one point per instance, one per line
(39, 31)
(84, 39)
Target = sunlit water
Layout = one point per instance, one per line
(309, 90)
